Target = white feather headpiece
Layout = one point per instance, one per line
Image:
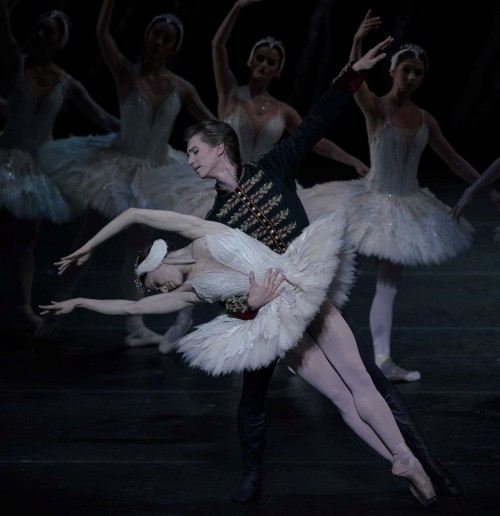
(271, 43)
(154, 258)
(65, 22)
(416, 50)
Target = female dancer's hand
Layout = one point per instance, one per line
(80, 256)
(460, 206)
(59, 307)
(373, 56)
(259, 295)
(369, 22)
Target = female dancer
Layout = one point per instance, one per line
(390, 216)
(36, 89)
(138, 168)
(218, 264)
(259, 118)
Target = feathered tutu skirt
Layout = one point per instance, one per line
(26, 192)
(92, 172)
(412, 229)
(318, 264)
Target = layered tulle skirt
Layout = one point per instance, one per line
(26, 192)
(412, 229)
(93, 172)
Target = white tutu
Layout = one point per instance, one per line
(92, 172)
(318, 263)
(390, 215)
(413, 229)
(26, 192)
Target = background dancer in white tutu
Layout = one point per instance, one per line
(259, 118)
(35, 90)
(223, 262)
(487, 178)
(390, 216)
(138, 167)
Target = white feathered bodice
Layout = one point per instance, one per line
(241, 254)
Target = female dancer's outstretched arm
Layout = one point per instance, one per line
(157, 304)
(490, 175)
(187, 226)
(167, 302)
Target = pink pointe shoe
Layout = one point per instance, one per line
(396, 374)
(420, 484)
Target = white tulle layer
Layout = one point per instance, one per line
(318, 263)
(92, 172)
(26, 192)
(414, 229)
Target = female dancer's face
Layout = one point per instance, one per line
(265, 63)
(46, 35)
(161, 39)
(409, 74)
(164, 279)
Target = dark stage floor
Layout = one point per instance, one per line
(90, 427)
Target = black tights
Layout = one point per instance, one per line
(254, 390)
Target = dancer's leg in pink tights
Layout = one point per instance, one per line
(309, 362)
(334, 339)
(381, 311)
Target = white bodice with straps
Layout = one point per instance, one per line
(135, 168)
(253, 145)
(390, 215)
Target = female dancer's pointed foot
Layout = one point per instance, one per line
(142, 337)
(420, 484)
(394, 373)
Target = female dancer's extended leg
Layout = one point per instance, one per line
(335, 346)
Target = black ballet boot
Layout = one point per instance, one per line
(444, 482)
(252, 429)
